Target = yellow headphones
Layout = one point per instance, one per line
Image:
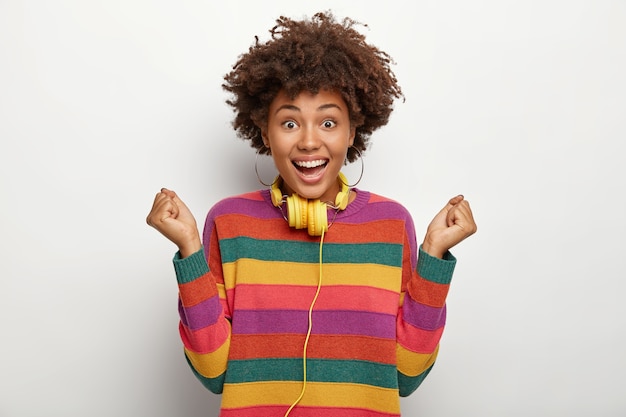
(311, 214)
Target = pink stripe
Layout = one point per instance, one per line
(301, 411)
(293, 297)
(417, 340)
(205, 340)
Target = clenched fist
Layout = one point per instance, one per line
(450, 226)
(171, 217)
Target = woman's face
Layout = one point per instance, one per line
(309, 137)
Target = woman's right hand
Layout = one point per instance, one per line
(171, 217)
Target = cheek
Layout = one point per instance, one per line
(280, 157)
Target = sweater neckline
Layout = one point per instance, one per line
(361, 199)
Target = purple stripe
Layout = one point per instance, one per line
(423, 316)
(384, 210)
(324, 322)
(201, 315)
(263, 208)
(240, 205)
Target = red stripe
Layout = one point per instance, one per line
(320, 346)
(380, 231)
(427, 292)
(198, 290)
(236, 225)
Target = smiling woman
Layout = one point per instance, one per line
(308, 138)
(272, 317)
(518, 104)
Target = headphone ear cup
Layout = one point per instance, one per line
(317, 221)
(343, 196)
(312, 215)
(307, 214)
(275, 193)
(297, 211)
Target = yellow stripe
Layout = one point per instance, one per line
(412, 363)
(221, 290)
(251, 271)
(317, 394)
(210, 365)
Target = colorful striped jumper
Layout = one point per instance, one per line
(376, 325)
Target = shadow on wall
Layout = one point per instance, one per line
(190, 397)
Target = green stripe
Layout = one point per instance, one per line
(190, 268)
(408, 384)
(308, 252)
(435, 269)
(318, 370)
(215, 385)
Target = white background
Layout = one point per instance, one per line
(519, 105)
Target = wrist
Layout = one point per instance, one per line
(189, 248)
(433, 250)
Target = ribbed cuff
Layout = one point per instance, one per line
(190, 268)
(435, 269)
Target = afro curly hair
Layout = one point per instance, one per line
(313, 54)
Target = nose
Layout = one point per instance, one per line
(309, 139)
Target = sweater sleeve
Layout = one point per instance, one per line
(204, 324)
(421, 316)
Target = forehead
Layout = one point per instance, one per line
(307, 100)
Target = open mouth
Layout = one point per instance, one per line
(310, 168)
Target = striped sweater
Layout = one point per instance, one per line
(377, 322)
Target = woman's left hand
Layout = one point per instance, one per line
(454, 223)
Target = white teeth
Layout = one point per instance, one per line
(310, 164)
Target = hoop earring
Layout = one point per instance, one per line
(256, 169)
(362, 169)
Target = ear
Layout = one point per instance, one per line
(352, 135)
(266, 140)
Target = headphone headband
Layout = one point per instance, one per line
(311, 214)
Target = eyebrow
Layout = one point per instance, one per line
(296, 108)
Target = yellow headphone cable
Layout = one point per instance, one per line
(308, 333)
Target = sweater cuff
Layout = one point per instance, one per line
(190, 268)
(435, 269)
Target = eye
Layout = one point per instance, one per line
(329, 124)
(289, 124)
